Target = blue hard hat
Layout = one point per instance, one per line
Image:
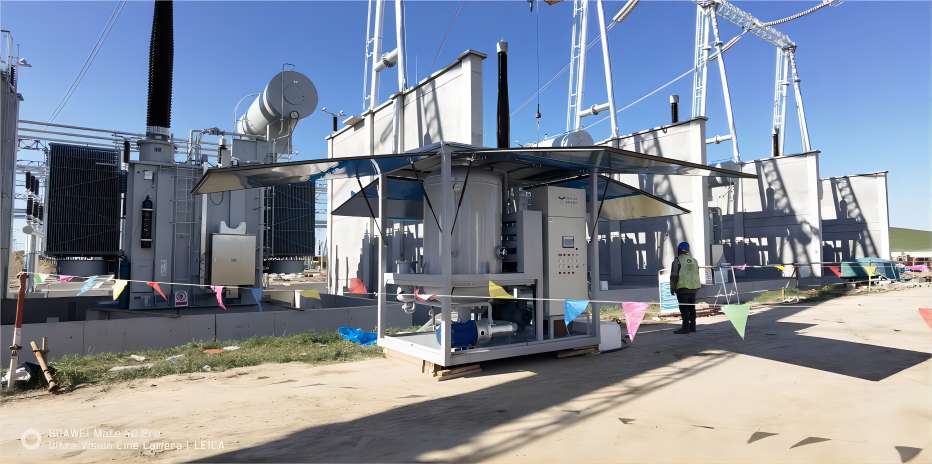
(683, 246)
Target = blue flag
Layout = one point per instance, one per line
(88, 284)
(572, 309)
(257, 295)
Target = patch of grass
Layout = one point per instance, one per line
(815, 295)
(613, 312)
(311, 348)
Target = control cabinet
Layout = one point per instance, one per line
(565, 248)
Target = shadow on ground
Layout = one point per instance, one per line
(406, 433)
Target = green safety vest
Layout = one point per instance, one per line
(689, 272)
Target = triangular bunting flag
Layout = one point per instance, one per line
(572, 309)
(835, 270)
(741, 267)
(257, 296)
(38, 278)
(738, 315)
(357, 286)
(65, 278)
(218, 290)
(497, 291)
(422, 297)
(926, 314)
(157, 289)
(634, 314)
(871, 269)
(310, 293)
(779, 266)
(118, 286)
(88, 284)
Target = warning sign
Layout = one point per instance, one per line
(181, 299)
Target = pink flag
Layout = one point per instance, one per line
(634, 314)
(926, 314)
(157, 289)
(422, 297)
(65, 278)
(741, 267)
(218, 290)
(835, 270)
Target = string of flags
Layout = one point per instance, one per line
(634, 312)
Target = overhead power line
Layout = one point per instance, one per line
(89, 60)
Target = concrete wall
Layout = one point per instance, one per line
(855, 217)
(447, 107)
(775, 218)
(639, 248)
(141, 333)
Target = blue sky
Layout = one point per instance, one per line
(865, 69)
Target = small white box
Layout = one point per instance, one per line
(609, 336)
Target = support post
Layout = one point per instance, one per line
(380, 292)
(779, 101)
(607, 64)
(581, 61)
(17, 331)
(725, 92)
(594, 273)
(701, 62)
(376, 56)
(398, 123)
(797, 93)
(446, 250)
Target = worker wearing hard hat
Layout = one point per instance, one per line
(684, 283)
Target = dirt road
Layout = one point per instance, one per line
(847, 381)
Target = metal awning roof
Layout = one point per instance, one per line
(405, 200)
(525, 166)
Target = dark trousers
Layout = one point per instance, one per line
(687, 299)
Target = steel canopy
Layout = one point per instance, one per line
(524, 166)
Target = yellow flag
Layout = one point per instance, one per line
(871, 269)
(779, 266)
(496, 291)
(118, 286)
(310, 293)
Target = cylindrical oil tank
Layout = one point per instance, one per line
(579, 138)
(478, 229)
(289, 96)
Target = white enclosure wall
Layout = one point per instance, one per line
(639, 248)
(855, 217)
(775, 218)
(445, 107)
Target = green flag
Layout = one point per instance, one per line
(738, 315)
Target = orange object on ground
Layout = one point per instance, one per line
(356, 286)
(926, 314)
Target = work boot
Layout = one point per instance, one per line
(682, 330)
(692, 327)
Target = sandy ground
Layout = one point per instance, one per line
(847, 381)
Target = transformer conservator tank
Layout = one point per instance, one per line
(287, 98)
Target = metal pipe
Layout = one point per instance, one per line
(607, 65)
(91, 129)
(502, 112)
(70, 134)
(674, 109)
(724, 78)
(376, 55)
(800, 111)
(581, 67)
